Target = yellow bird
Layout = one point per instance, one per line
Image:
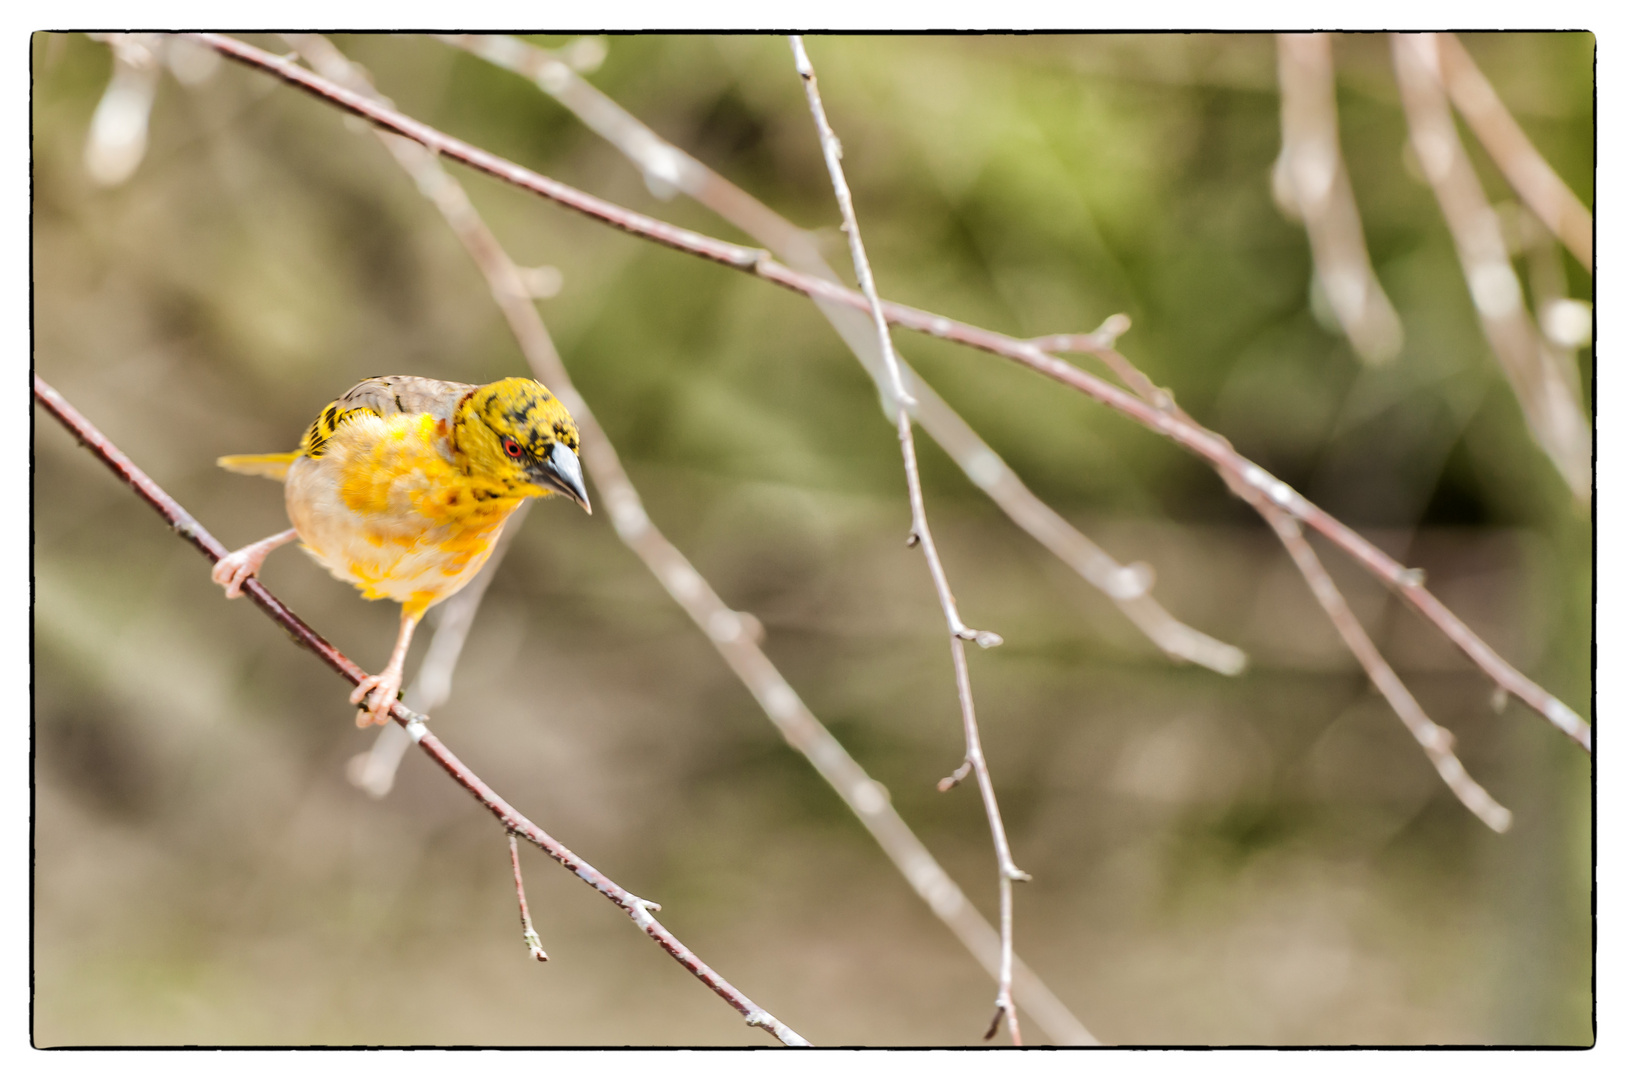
(402, 487)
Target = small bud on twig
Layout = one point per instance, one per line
(993, 1026)
(952, 780)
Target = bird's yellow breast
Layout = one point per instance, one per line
(385, 507)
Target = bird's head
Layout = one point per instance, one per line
(517, 434)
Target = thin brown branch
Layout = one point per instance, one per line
(751, 260)
(528, 932)
(1526, 170)
(667, 167)
(1551, 410)
(1311, 184)
(512, 820)
(1435, 740)
(729, 631)
(920, 531)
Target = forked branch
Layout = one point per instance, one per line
(667, 166)
(755, 261)
(735, 635)
(1537, 184)
(1435, 740)
(1552, 410)
(921, 534)
(512, 820)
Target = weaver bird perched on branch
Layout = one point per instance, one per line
(402, 486)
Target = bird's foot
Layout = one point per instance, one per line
(238, 566)
(234, 569)
(379, 691)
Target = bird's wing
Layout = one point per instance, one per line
(390, 395)
(386, 395)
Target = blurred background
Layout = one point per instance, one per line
(1262, 859)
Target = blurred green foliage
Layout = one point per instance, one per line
(1258, 860)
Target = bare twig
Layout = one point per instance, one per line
(117, 140)
(729, 631)
(1551, 409)
(1435, 740)
(1565, 321)
(532, 942)
(1537, 184)
(667, 167)
(1311, 184)
(512, 820)
(921, 533)
(754, 261)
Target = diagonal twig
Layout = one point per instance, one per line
(1205, 444)
(1435, 740)
(512, 820)
(528, 932)
(729, 631)
(1526, 170)
(921, 534)
(665, 165)
(1551, 409)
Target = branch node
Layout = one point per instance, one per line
(1130, 582)
(1437, 739)
(912, 540)
(415, 725)
(986, 639)
(1017, 875)
(1412, 577)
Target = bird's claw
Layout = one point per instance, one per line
(234, 569)
(379, 691)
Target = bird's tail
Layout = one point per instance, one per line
(271, 466)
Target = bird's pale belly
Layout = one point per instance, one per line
(403, 556)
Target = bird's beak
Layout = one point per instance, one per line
(562, 472)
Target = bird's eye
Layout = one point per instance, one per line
(512, 448)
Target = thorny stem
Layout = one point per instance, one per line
(735, 635)
(920, 529)
(532, 942)
(512, 820)
(665, 165)
(755, 261)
